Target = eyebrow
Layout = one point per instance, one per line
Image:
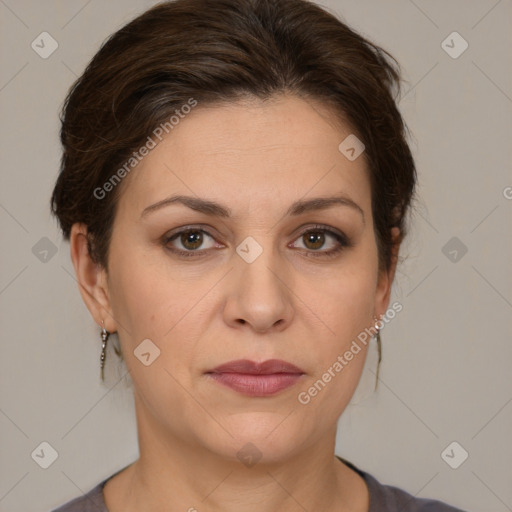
(214, 209)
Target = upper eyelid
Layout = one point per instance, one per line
(185, 229)
(329, 231)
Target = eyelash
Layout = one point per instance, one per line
(343, 241)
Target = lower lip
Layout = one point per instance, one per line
(257, 385)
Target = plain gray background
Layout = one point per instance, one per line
(446, 373)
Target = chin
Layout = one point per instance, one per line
(260, 438)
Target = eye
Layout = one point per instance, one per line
(316, 238)
(190, 239)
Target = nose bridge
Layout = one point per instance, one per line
(260, 295)
(259, 262)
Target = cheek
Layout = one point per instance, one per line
(149, 306)
(135, 299)
(345, 306)
(345, 303)
(340, 352)
(154, 301)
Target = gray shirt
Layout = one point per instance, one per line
(383, 498)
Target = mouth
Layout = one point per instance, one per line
(257, 379)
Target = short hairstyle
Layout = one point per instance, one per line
(215, 51)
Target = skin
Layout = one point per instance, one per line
(256, 158)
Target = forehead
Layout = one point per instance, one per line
(251, 151)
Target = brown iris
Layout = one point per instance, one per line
(316, 238)
(191, 239)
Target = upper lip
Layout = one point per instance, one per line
(249, 367)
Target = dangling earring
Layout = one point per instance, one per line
(104, 338)
(379, 346)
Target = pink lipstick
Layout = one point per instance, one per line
(257, 379)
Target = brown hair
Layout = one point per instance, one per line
(222, 50)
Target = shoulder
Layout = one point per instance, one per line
(92, 501)
(386, 498)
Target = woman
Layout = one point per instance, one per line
(234, 185)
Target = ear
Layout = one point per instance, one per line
(92, 279)
(385, 280)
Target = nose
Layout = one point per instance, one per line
(259, 295)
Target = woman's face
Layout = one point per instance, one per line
(258, 277)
